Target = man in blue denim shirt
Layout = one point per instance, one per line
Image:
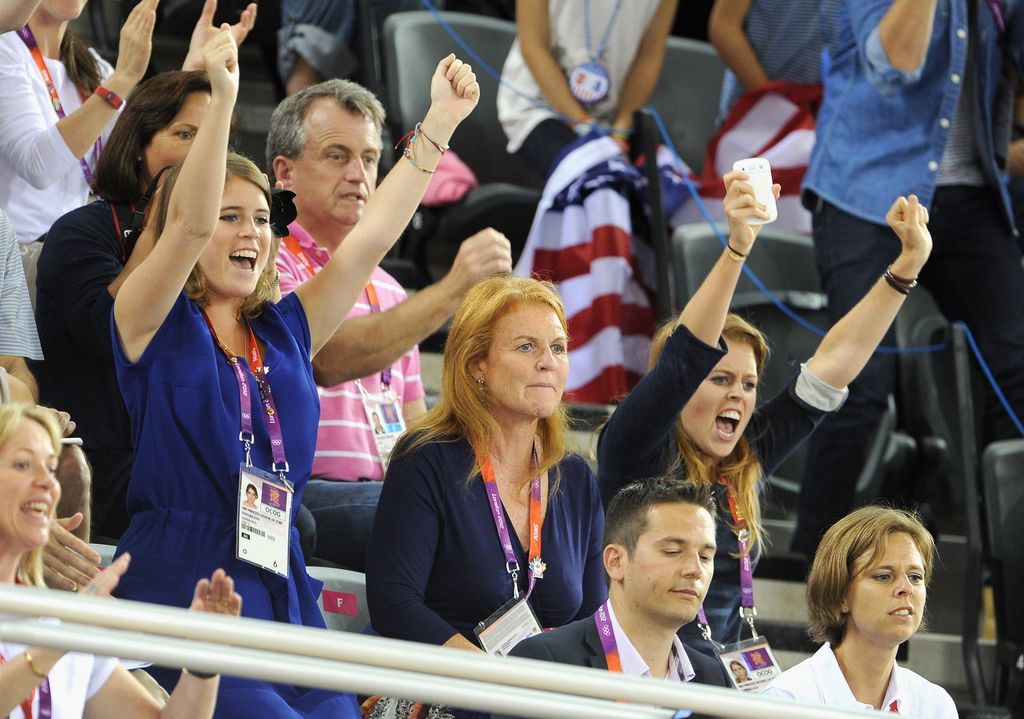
(916, 101)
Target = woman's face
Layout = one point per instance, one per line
(720, 409)
(170, 144)
(239, 250)
(250, 494)
(29, 487)
(885, 601)
(527, 364)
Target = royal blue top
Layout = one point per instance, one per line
(183, 497)
(435, 566)
(639, 442)
(882, 132)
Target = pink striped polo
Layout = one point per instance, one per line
(344, 443)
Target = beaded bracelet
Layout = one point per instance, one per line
(412, 158)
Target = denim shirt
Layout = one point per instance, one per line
(882, 132)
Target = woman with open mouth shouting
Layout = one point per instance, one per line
(694, 414)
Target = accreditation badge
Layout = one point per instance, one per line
(508, 626)
(589, 82)
(750, 664)
(264, 519)
(384, 415)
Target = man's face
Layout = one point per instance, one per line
(337, 171)
(666, 577)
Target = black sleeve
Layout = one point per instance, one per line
(81, 257)
(782, 425)
(632, 444)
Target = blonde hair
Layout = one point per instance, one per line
(30, 564)
(464, 407)
(864, 533)
(741, 467)
(242, 168)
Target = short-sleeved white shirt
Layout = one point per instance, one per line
(74, 680)
(820, 680)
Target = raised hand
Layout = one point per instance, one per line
(908, 218)
(68, 562)
(454, 91)
(220, 57)
(217, 595)
(740, 206)
(135, 46)
(205, 29)
(486, 253)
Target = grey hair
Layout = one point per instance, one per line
(287, 136)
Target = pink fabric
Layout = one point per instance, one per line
(451, 181)
(344, 444)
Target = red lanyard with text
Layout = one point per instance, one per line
(607, 635)
(45, 700)
(311, 263)
(246, 435)
(536, 566)
(747, 609)
(30, 42)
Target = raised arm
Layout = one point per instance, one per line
(329, 295)
(725, 30)
(534, 31)
(850, 343)
(906, 32)
(646, 67)
(704, 315)
(147, 295)
(205, 29)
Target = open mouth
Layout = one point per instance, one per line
(40, 510)
(903, 612)
(244, 260)
(727, 422)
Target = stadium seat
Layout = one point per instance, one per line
(343, 599)
(687, 94)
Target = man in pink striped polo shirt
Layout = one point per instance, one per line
(324, 144)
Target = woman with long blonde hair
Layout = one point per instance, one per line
(482, 504)
(694, 414)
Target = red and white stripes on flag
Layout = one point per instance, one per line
(586, 240)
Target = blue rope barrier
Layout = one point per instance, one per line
(976, 351)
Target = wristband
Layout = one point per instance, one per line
(199, 674)
(111, 97)
(734, 255)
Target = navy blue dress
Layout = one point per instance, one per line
(183, 496)
(436, 568)
(639, 441)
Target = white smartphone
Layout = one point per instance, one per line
(760, 173)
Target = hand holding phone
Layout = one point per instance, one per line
(760, 174)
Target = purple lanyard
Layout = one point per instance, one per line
(29, 39)
(45, 700)
(997, 14)
(245, 435)
(371, 299)
(536, 567)
(747, 609)
(606, 633)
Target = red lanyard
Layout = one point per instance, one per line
(311, 264)
(29, 39)
(374, 302)
(536, 566)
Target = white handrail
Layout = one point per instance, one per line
(362, 655)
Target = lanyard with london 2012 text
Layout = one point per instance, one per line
(29, 39)
(536, 566)
(607, 635)
(245, 434)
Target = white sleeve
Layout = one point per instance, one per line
(819, 394)
(102, 668)
(32, 146)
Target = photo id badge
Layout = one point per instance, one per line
(264, 520)
(508, 626)
(750, 664)
(589, 83)
(384, 415)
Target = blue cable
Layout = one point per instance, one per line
(990, 377)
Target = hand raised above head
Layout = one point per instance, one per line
(205, 29)
(740, 205)
(454, 91)
(908, 218)
(136, 43)
(220, 56)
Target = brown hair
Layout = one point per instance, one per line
(152, 106)
(30, 564)
(83, 70)
(464, 407)
(741, 467)
(242, 168)
(862, 533)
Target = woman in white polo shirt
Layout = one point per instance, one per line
(865, 596)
